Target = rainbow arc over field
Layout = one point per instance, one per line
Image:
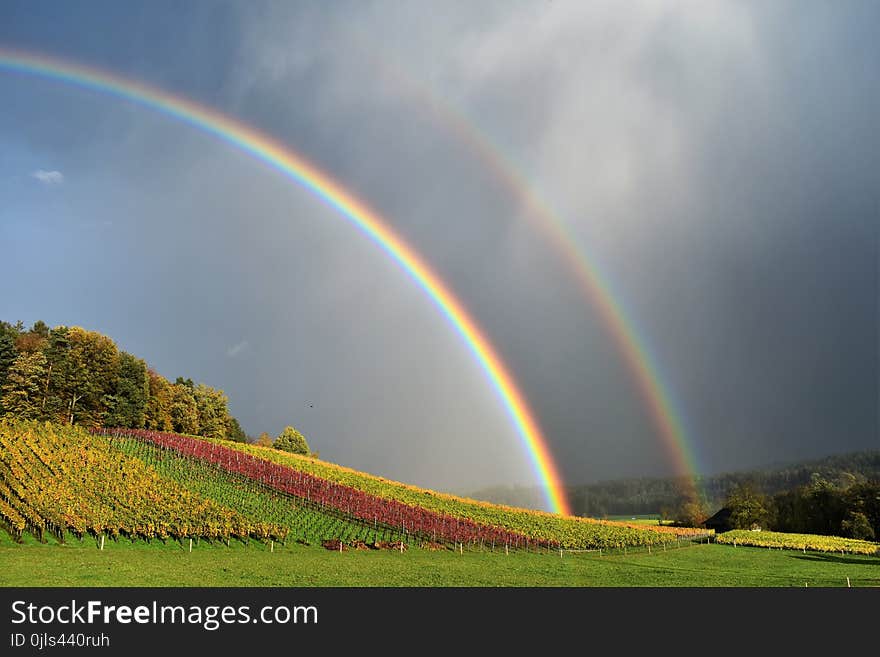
(594, 283)
(282, 159)
(597, 288)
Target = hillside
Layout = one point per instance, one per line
(143, 485)
(179, 510)
(59, 480)
(537, 525)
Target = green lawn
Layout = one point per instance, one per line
(157, 564)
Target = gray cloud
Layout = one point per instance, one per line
(687, 147)
(717, 162)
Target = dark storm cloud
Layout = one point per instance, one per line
(716, 159)
(719, 161)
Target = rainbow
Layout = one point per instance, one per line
(594, 284)
(280, 158)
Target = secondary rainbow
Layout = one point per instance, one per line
(281, 158)
(594, 284)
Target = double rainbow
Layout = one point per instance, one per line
(282, 159)
(594, 284)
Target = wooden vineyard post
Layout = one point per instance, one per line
(190, 544)
(102, 541)
(505, 550)
(848, 585)
(271, 546)
(461, 548)
(649, 549)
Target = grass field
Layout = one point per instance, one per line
(119, 488)
(124, 563)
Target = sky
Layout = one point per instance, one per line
(717, 162)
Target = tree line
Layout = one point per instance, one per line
(669, 495)
(836, 495)
(70, 375)
(849, 507)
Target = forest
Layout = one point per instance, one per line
(71, 375)
(836, 495)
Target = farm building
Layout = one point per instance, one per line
(720, 522)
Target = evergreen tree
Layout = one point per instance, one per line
(40, 328)
(234, 431)
(8, 329)
(180, 381)
(8, 354)
(56, 350)
(126, 406)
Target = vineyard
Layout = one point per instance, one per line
(145, 484)
(306, 521)
(413, 513)
(802, 542)
(57, 480)
(566, 532)
(326, 497)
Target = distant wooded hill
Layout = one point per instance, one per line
(645, 495)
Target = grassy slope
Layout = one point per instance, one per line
(157, 564)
